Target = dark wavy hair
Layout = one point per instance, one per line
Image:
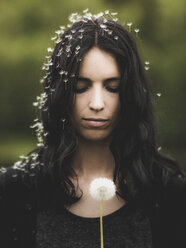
(138, 163)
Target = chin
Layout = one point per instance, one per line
(95, 135)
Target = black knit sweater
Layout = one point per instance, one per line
(32, 216)
(126, 227)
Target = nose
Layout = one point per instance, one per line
(96, 102)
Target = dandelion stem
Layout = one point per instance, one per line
(101, 223)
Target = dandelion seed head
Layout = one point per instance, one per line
(102, 189)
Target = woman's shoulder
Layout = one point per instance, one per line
(18, 202)
(26, 181)
(22, 173)
(167, 175)
(168, 214)
(174, 190)
(173, 180)
(22, 180)
(169, 202)
(17, 182)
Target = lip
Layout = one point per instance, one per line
(95, 119)
(95, 122)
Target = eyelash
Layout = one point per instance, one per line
(110, 89)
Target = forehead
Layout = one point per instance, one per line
(98, 63)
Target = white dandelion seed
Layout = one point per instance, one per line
(81, 30)
(59, 32)
(49, 49)
(99, 15)
(58, 41)
(129, 24)
(62, 72)
(159, 148)
(102, 189)
(114, 13)
(158, 94)
(103, 26)
(3, 169)
(62, 27)
(78, 47)
(136, 30)
(41, 81)
(85, 10)
(35, 104)
(54, 38)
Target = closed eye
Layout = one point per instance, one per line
(113, 89)
(110, 84)
(110, 89)
(80, 90)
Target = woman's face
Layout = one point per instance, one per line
(97, 105)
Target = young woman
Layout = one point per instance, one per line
(96, 121)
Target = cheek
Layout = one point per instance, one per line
(79, 106)
(115, 106)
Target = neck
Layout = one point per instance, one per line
(93, 159)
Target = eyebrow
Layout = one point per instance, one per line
(108, 80)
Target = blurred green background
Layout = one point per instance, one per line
(26, 28)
